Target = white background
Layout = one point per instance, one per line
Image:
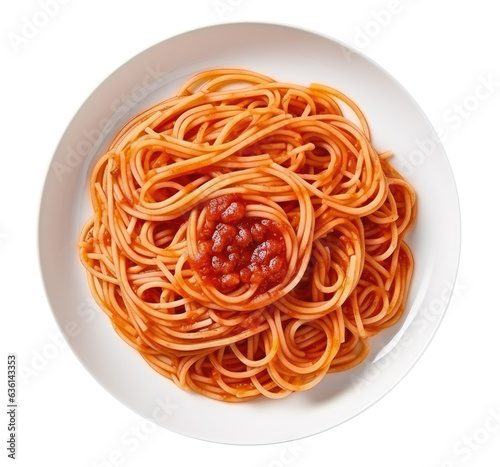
(445, 413)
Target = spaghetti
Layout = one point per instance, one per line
(247, 238)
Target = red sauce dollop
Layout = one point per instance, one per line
(235, 250)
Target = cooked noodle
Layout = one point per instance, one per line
(247, 238)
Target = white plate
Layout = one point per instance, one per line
(287, 54)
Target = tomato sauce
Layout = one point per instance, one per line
(234, 250)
